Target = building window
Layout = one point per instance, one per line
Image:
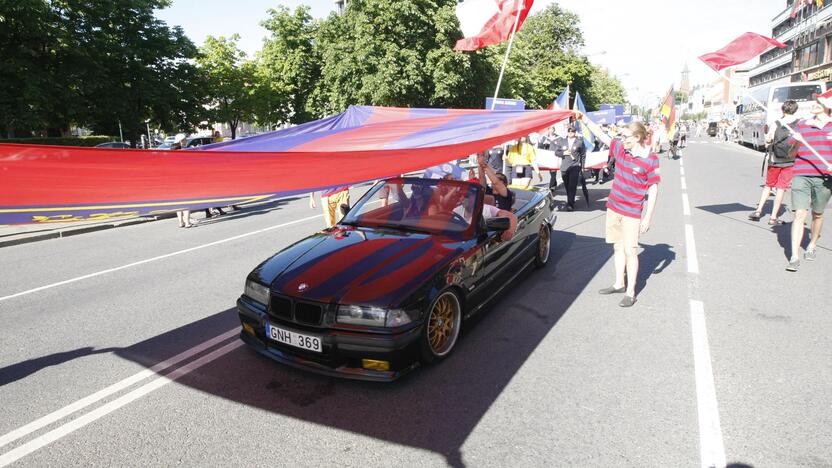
(809, 56)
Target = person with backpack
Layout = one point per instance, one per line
(780, 160)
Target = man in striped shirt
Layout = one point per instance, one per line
(636, 179)
(812, 181)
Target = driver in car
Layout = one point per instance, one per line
(450, 199)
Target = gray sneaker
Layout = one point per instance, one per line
(627, 301)
(810, 255)
(793, 264)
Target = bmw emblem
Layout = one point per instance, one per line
(302, 287)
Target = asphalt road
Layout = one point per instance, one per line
(724, 359)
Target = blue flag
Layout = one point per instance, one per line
(583, 130)
(562, 102)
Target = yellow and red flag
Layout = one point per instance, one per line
(668, 111)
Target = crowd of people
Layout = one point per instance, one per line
(799, 158)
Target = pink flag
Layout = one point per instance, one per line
(740, 50)
(488, 22)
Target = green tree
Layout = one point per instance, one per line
(129, 67)
(288, 66)
(95, 63)
(396, 53)
(230, 81)
(33, 92)
(604, 89)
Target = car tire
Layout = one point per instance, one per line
(544, 246)
(442, 327)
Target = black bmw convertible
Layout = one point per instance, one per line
(392, 284)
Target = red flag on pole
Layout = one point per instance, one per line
(740, 50)
(489, 22)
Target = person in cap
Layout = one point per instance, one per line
(812, 176)
(572, 152)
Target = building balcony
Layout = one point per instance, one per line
(771, 64)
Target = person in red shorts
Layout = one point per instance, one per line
(780, 160)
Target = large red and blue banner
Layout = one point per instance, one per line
(53, 184)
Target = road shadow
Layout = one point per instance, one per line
(26, 368)
(727, 208)
(652, 261)
(435, 407)
(784, 238)
(244, 211)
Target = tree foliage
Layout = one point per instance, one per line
(288, 66)
(94, 63)
(229, 81)
(604, 89)
(395, 53)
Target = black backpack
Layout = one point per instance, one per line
(780, 149)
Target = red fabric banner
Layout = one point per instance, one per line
(740, 50)
(52, 183)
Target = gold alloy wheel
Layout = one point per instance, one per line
(543, 244)
(443, 324)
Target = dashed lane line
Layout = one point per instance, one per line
(711, 446)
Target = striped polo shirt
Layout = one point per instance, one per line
(806, 163)
(633, 176)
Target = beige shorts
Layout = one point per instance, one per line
(622, 229)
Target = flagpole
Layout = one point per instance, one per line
(794, 133)
(508, 50)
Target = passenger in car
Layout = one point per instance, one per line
(498, 193)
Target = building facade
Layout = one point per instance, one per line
(806, 29)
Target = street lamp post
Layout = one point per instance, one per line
(147, 124)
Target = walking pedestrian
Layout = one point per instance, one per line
(572, 152)
(523, 159)
(812, 182)
(331, 201)
(780, 160)
(636, 179)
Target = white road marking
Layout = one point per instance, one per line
(116, 387)
(684, 184)
(61, 431)
(681, 162)
(681, 171)
(690, 245)
(711, 446)
(160, 257)
(685, 204)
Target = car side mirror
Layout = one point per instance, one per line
(344, 209)
(497, 224)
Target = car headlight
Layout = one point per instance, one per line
(257, 291)
(372, 316)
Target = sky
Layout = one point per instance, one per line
(645, 43)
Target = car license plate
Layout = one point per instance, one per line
(298, 340)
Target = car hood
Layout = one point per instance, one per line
(358, 265)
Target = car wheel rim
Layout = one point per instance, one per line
(543, 248)
(443, 325)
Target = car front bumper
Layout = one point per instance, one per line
(343, 351)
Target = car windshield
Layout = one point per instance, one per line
(800, 93)
(433, 206)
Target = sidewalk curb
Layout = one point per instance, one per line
(83, 230)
